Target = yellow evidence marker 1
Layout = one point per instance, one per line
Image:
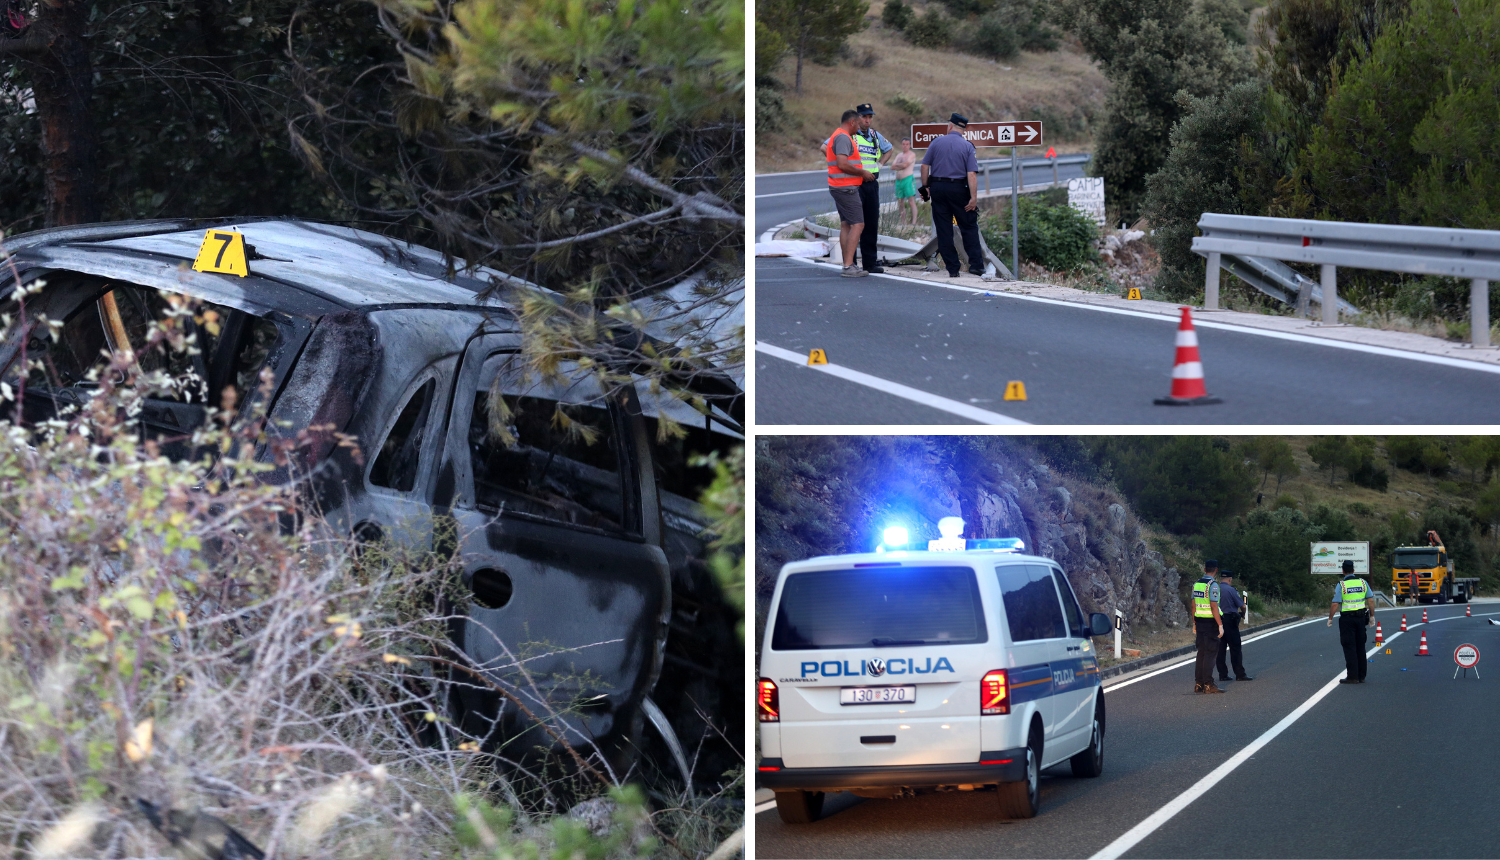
(1134, 293)
(817, 356)
(222, 251)
(1015, 391)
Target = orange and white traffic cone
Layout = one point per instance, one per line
(1422, 649)
(1187, 369)
(1379, 638)
(1469, 611)
(1424, 616)
(1403, 622)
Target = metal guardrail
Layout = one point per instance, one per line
(1471, 254)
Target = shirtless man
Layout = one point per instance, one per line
(906, 183)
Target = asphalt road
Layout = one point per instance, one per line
(1400, 766)
(782, 197)
(1079, 365)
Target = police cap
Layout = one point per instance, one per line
(865, 110)
(1348, 566)
(1227, 574)
(959, 120)
(1210, 564)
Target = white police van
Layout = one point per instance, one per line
(963, 666)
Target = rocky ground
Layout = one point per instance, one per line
(826, 495)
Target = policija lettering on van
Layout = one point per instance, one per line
(873, 668)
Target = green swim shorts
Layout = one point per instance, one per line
(906, 186)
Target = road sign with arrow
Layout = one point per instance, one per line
(1022, 132)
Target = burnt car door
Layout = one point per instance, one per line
(560, 532)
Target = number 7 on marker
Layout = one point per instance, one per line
(227, 239)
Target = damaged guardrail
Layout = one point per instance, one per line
(1470, 254)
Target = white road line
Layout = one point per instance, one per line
(1198, 322)
(1189, 661)
(765, 807)
(906, 392)
(787, 193)
(1134, 835)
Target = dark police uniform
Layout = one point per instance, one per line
(871, 145)
(1205, 600)
(950, 159)
(1231, 607)
(1352, 598)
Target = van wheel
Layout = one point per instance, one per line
(799, 807)
(1023, 799)
(1090, 762)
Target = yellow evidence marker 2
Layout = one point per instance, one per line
(222, 251)
(1015, 391)
(1134, 293)
(817, 356)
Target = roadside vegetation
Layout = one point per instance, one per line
(186, 646)
(1255, 503)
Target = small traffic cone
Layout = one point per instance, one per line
(1424, 616)
(1379, 639)
(1422, 650)
(1469, 611)
(1187, 369)
(1403, 622)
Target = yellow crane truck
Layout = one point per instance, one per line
(1426, 573)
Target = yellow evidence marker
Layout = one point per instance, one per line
(222, 251)
(1134, 293)
(1015, 391)
(817, 356)
(1387, 650)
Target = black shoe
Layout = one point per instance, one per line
(1223, 679)
(952, 274)
(876, 270)
(979, 272)
(1347, 681)
(1244, 678)
(1360, 681)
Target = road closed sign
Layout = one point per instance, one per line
(1022, 132)
(1466, 656)
(1329, 556)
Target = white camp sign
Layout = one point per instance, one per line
(1087, 196)
(1329, 556)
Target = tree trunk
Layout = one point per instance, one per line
(62, 79)
(799, 68)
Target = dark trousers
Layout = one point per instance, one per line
(1231, 644)
(1208, 647)
(948, 202)
(1352, 633)
(869, 198)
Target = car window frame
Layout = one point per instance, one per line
(1009, 628)
(433, 437)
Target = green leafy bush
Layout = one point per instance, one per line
(896, 15)
(993, 35)
(906, 104)
(932, 30)
(1057, 236)
(770, 111)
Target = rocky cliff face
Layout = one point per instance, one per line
(825, 495)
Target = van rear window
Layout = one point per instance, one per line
(877, 608)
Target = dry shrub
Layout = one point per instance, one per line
(180, 638)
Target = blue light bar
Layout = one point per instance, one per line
(896, 536)
(997, 544)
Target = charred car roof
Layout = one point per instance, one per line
(334, 267)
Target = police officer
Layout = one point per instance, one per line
(1208, 627)
(874, 150)
(1231, 613)
(1351, 598)
(950, 172)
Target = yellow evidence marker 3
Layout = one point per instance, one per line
(222, 251)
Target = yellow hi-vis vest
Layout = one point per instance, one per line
(869, 150)
(1205, 594)
(1353, 595)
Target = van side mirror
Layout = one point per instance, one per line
(1099, 624)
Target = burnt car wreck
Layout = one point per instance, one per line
(593, 549)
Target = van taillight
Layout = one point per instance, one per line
(994, 693)
(768, 702)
